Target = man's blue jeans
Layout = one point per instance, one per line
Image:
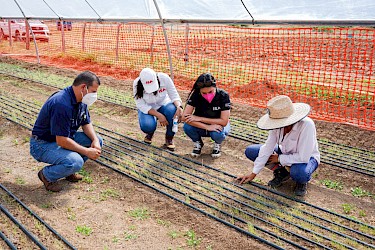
(299, 172)
(63, 162)
(148, 122)
(196, 134)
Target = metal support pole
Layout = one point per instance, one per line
(186, 54)
(152, 44)
(117, 40)
(166, 40)
(27, 36)
(83, 36)
(10, 34)
(62, 36)
(27, 23)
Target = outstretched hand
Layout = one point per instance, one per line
(245, 178)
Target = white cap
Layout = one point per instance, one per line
(149, 80)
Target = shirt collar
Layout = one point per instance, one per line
(73, 99)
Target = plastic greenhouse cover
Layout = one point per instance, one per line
(192, 9)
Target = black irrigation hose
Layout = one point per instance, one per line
(271, 190)
(341, 225)
(37, 217)
(209, 181)
(337, 163)
(257, 185)
(122, 135)
(7, 241)
(240, 202)
(280, 194)
(213, 207)
(224, 195)
(189, 205)
(22, 227)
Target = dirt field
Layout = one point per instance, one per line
(108, 203)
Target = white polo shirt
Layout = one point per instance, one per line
(297, 146)
(167, 93)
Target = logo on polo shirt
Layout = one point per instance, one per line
(149, 82)
(162, 90)
(216, 108)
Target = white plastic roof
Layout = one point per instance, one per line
(193, 10)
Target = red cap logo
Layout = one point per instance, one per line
(149, 82)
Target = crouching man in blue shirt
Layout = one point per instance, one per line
(55, 139)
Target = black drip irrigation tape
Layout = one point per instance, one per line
(249, 190)
(53, 231)
(129, 148)
(7, 241)
(195, 191)
(347, 157)
(22, 227)
(25, 106)
(191, 206)
(193, 161)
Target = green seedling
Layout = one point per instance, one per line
(163, 222)
(85, 230)
(362, 213)
(105, 180)
(173, 234)
(104, 195)
(359, 192)
(20, 181)
(71, 214)
(192, 239)
(347, 208)
(129, 236)
(251, 228)
(332, 184)
(139, 213)
(86, 176)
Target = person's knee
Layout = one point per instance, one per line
(252, 152)
(74, 162)
(187, 128)
(218, 137)
(300, 174)
(148, 126)
(170, 110)
(100, 140)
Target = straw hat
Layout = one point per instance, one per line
(282, 112)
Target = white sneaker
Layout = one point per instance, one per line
(216, 150)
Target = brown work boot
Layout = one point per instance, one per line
(74, 177)
(148, 138)
(50, 186)
(169, 143)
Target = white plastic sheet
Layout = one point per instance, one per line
(192, 9)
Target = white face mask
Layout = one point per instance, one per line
(89, 98)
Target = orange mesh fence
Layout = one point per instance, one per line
(327, 67)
